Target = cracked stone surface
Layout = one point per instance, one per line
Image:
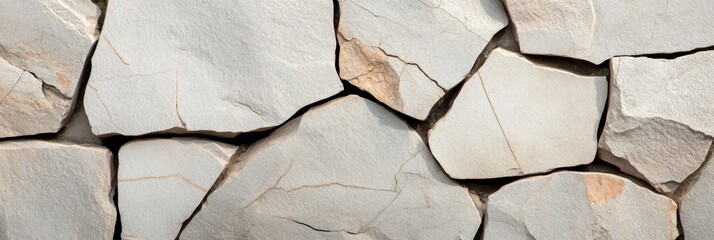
(408, 53)
(572, 205)
(348, 169)
(529, 119)
(43, 47)
(597, 30)
(696, 210)
(51, 190)
(78, 129)
(659, 123)
(218, 67)
(162, 181)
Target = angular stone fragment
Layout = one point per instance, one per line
(572, 205)
(52, 190)
(220, 67)
(347, 169)
(162, 181)
(407, 53)
(659, 124)
(78, 129)
(597, 30)
(43, 46)
(514, 118)
(696, 209)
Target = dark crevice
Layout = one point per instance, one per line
(102, 4)
(674, 55)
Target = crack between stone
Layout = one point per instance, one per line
(307, 225)
(115, 50)
(500, 126)
(12, 88)
(413, 64)
(176, 175)
(334, 184)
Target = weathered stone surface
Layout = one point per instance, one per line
(571, 205)
(347, 169)
(696, 208)
(222, 67)
(659, 124)
(162, 181)
(598, 30)
(515, 118)
(53, 190)
(407, 53)
(78, 129)
(43, 46)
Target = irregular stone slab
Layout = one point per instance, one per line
(572, 205)
(52, 190)
(529, 119)
(162, 181)
(696, 209)
(348, 169)
(199, 67)
(407, 53)
(659, 124)
(43, 47)
(598, 30)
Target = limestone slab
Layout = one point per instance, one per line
(43, 47)
(162, 181)
(659, 124)
(598, 30)
(52, 190)
(696, 210)
(348, 169)
(219, 67)
(514, 117)
(408, 53)
(572, 205)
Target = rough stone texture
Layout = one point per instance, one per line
(407, 53)
(220, 67)
(696, 209)
(78, 129)
(528, 119)
(52, 190)
(162, 181)
(571, 205)
(347, 169)
(597, 30)
(659, 123)
(43, 47)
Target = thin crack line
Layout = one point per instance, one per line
(483, 86)
(13, 87)
(175, 175)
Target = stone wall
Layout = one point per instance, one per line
(356, 119)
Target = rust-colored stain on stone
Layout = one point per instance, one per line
(601, 189)
(63, 81)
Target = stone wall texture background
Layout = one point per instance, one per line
(356, 119)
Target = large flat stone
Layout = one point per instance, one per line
(598, 30)
(348, 169)
(43, 47)
(659, 124)
(218, 67)
(514, 117)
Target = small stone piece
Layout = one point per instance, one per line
(696, 209)
(597, 30)
(52, 190)
(348, 169)
(78, 129)
(408, 53)
(43, 46)
(659, 124)
(162, 181)
(515, 118)
(572, 205)
(217, 67)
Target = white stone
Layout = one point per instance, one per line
(696, 208)
(572, 205)
(162, 181)
(221, 67)
(52, 190)
(407, 53)
(659, 124)
(348, 169)
(515, 118)
(43, 47)
(597, 30)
